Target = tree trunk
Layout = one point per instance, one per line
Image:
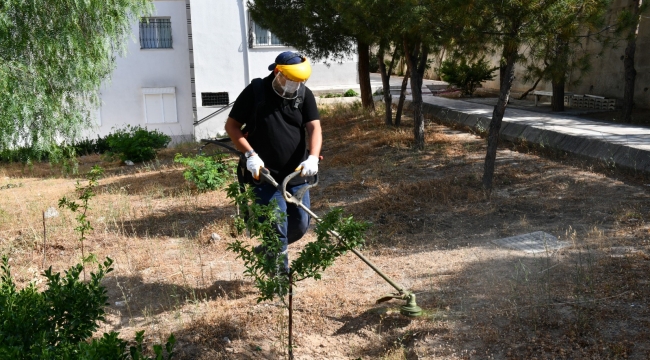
(628, 64)
(502, 74)
(523, 96)
(385, 81)
(364, 76)
(557, 101)
(508, 76)
(402, 97)
(419, 54)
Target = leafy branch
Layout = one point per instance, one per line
(58, 322)
(318, 255)
(207, 172)
(85, 193)
(260, 221)
(263, 266)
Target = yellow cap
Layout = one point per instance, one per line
(296, 72)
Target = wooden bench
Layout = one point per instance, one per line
(537, 94)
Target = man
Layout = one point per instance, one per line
(283, 134)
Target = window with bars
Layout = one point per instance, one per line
(214, 99)
(155, 33)
(259, 36)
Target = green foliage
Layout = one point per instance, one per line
(56, 154)
(349, 93)
(23, 155)
(66, 154)
(85, 194)
(92, 146)
(136, 143)
(317, 256)
(54, 56)
(207, 172)
(331, 95)
(57, 322)
(61, 316)
(557, 52)
(466, 76)
(260, 221)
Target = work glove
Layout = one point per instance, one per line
(309, 167)
(254, 163)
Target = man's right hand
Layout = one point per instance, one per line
(254, 164)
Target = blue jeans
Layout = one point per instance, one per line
(296, 223)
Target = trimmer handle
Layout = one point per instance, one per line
(297, 197)
(265, 175)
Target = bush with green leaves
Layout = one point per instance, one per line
(467, 77)
(314, 258)
(207, 172)
(57, 322)
(350, 93)
(85, 193)
(92, 146)
(136, 143)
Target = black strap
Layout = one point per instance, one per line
(258, 102)
(244, 176)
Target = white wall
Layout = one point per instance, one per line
(122, 97)
(223, 62)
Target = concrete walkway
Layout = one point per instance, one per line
(619, 145)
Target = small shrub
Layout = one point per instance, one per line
(85, 193)
(92, 146)
(466, 76)
(207, 172)
(350, 93)
(56, 154)
(57, 322)
(316, 256)
(136, 143)
(23, 155)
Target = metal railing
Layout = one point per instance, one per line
(208, 117)
(260, 37)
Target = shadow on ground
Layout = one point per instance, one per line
(159, 297)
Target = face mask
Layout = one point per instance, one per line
(286, 88)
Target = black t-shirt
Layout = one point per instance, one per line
(278, 133)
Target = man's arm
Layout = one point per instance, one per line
(314, 137)
(233, 128)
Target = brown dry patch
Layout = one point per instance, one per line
(431, 232)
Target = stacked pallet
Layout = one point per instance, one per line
(592, 102)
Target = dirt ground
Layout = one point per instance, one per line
(432, 228)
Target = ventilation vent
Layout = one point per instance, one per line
(214, 99)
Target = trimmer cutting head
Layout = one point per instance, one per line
(410, 309)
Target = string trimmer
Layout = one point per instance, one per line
(410, 309)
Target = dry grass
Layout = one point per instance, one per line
(431, 232)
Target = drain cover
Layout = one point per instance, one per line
(532, 243)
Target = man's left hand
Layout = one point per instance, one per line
(309, 166)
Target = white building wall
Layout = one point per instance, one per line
(123, 98)
(223, 61)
